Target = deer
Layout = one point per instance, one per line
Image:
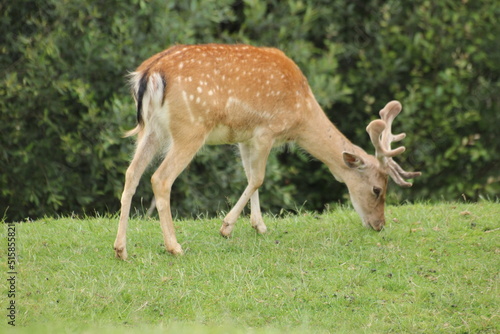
(188, 96)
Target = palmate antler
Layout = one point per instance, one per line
(381, 136)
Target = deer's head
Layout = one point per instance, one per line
(368, 181)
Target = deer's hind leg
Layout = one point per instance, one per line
(182, 150)
(147, 148)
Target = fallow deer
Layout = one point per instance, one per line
(191, 95)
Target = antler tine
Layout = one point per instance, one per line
(402, 172)
(399, 175)
(388, 114)
(376, 130)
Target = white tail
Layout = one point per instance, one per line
(188, 96)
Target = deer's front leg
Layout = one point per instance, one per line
(254, 155)
(232, 216)
(255, 215)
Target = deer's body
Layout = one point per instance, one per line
(230, 91)
(188, 96)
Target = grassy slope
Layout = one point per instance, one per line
(434, 268)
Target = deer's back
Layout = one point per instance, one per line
(232, 89)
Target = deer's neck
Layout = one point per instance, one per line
(326, 143)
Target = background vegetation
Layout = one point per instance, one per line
(64, 103)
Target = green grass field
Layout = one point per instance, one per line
(434, 268)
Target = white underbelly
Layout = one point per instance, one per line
(223, 134)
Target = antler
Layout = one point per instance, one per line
(381, 136)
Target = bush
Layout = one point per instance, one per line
(65, 102)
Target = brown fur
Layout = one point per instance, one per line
(189, 96)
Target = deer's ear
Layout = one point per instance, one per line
(353, 160)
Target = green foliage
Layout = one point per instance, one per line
(439, 59)
(64, 102)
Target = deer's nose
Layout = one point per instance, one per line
(378, 225)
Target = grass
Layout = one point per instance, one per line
(434, 268)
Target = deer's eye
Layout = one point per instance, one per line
(377, 191)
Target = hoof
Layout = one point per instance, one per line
(226, 230)
(121, 253)
(177, 250)
(260, 228)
